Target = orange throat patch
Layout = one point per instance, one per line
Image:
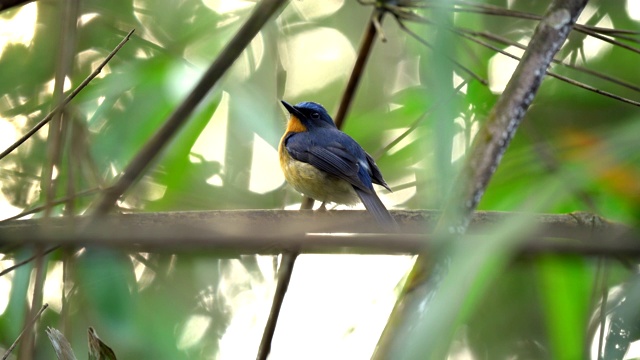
(295, 125)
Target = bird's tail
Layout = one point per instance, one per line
(373, 204)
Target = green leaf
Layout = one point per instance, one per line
(565, 285)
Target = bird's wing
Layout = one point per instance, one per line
(331, 156)
(376, 175)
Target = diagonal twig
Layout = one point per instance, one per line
(73, 94)
(401, 13)
(565, 78)
(7, 4)
(471, 35)
(585, 29)
(506, 41)
(260, 15)
(29, 326)
(417, 122)
(358, 68)
(428, 45)
(26, 261)
(488, 9)
(53, 203)
(284, 278)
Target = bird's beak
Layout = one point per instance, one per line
(292, 110)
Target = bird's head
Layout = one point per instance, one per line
(309, 114)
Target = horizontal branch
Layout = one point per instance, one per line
(276, 231)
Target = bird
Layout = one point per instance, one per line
(327, 165)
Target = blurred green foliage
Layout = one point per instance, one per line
(576, 151)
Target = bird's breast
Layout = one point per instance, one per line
(315, 183)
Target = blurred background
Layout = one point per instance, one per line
(424, 94)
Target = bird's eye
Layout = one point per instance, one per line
(315, 116)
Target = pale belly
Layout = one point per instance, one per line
(315, 183)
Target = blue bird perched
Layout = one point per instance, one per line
(326, 164)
